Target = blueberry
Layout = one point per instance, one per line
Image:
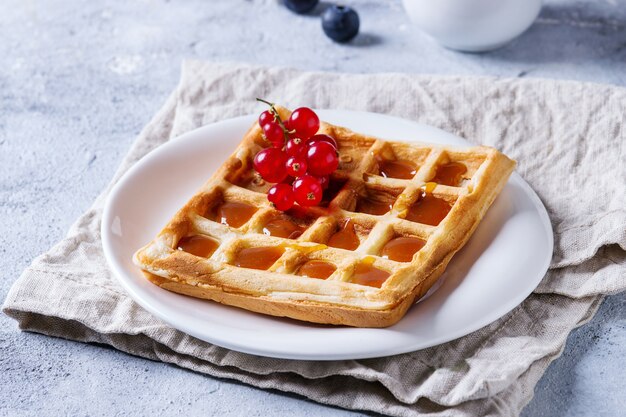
(340, 23)
(301, 6)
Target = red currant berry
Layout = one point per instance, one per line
(281, 195)
(265, 118)
(296, 166)
(322, 159)
(304, 121)
(324, 181)
(322, 138)
(270, 163)
(307, 190)
(274, 134)
(295, 147)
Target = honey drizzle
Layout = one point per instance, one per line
(450, 174)
(257, 258)
(345, 238)
(316, 269)
(428, 209)
(234, 213)
(375, 207)
(396, 168)
(367, 274)
(198, 245)
(306, 249)
(402, 249)
(429, 187)
(283, 227)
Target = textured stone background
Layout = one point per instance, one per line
(78, 80)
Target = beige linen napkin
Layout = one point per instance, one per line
(569, 139)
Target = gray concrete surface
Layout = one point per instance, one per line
(78, 80)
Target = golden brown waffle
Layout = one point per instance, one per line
(358, 193)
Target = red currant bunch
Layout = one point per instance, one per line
(297, 159)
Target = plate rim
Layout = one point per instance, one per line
(120, 272)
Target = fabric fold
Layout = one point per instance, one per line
(560, 133)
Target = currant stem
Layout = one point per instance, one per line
(277, 118)
(266, 102)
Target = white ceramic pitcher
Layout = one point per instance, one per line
(473, 25)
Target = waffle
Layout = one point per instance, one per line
(366, 212)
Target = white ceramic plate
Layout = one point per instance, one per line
(499, 267)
